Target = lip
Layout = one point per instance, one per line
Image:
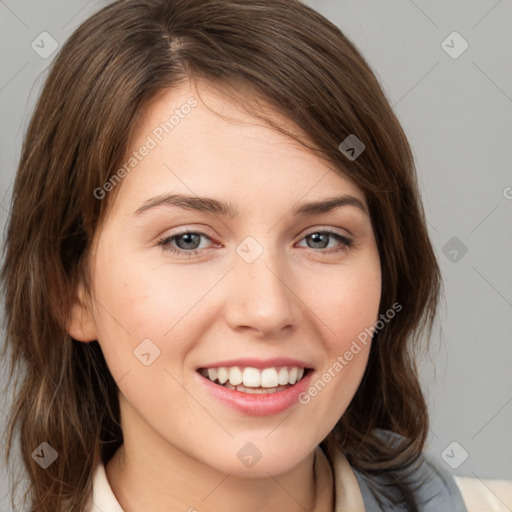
(259, 363)
(258, 404)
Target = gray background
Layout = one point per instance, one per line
(457, 115)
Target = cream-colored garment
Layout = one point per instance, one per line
(103, 498)
(348, 497)
(479, 495)
(485, 495)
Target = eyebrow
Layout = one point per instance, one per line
(222, 208)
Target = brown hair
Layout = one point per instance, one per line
(299, 64)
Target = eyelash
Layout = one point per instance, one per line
(347, 243)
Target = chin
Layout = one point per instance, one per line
(257, 461)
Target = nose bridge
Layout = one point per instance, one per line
(263, 294)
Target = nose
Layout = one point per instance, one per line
(263, 295)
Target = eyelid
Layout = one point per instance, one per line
(314, 229)
(332, 229)
(200, 229)
(347, 242)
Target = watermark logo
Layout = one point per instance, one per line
(147, 352)
(44, 45)
(44, 455)
(454, 455)
(249, 249)
(352, 147)
(454, 249)
(454, 45)
(249, 455)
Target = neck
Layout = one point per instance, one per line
(166, 480)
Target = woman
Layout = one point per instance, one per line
(269, 365)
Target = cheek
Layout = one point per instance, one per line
(132, 294)
(347, 310)
(138, 300)
(347, 313)
(348, 303)
(125, 310)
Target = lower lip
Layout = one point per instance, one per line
(258, 404)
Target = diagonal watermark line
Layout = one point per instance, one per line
(285, 490)
(300, 299)
(428, 72)
(278, 425)
(14, 76)
(97, 506)
(118, 381)
(492, 81)
(13, 13)
(216, 216)
(7, 211)
(112, 316)
(210, 83)
(215, 488)
(425, 14)
(498, 2)
(206, 293)
(484, 218)
(501, 408)
(57, 385)
(490, 284)
(304, 195)
(433, 227)
(199, 403)
(433, 433)
(4, 496)
(76, 14)
(491, 491)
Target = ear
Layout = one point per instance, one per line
(82, 325)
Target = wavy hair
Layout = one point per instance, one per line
(280, 54)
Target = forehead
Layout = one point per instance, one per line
(196, 140)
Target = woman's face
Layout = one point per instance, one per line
(256, 296)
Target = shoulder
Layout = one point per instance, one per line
(433, 486)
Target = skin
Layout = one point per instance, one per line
(297, 299)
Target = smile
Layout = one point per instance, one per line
(255, 380)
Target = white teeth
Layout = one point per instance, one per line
(282, 376)
(292, 375)
(235, 376)
(269, 378)
(222, 375)
(251, 377)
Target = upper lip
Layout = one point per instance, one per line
(259, 363)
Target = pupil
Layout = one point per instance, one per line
(316, 237)
(186, 237)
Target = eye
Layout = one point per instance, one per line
(189, 242)
(320, 240)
